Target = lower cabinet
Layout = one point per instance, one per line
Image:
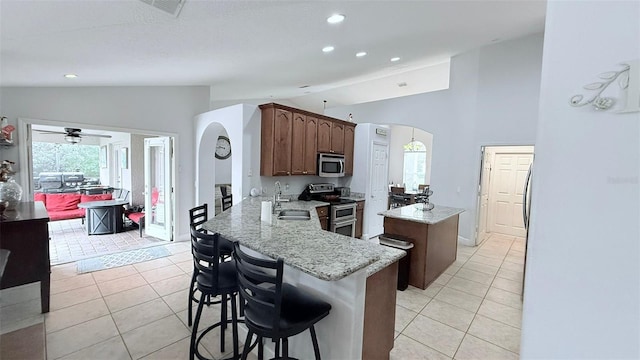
(323, 215)
(359, 217)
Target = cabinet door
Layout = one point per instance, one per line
(298, 144)
(349, 135)
(359, 219)
(310, 146)
(324, 136)
(282, 143)
(337, 138)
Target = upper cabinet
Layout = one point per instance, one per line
(324, 136)
(277, 125)
(349, 138)
(337, 138)
(292, 138)
(303, 145)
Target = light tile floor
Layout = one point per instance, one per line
(472, 311)
(139, 311)
(70, 242)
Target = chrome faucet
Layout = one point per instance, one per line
(277, 191)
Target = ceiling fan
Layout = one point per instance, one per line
(72, 135)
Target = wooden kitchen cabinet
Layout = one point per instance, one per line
(337, 138)
(323, 215)
(359, 217)
(303, 145)
(275, 148)
(324, 136)
(349, 139)
(292, 138)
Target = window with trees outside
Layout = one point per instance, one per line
(415, 165)
(50, 157)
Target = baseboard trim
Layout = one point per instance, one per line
(464, 241)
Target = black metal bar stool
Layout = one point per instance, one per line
(214, 278)
(198, 216)
(274, 309)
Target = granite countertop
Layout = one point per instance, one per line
(301, 244)
(415, 213)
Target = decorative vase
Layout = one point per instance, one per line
(10, 193)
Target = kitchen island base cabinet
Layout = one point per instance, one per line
(435, 246)
(380, 313)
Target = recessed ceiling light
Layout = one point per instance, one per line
(361, 54)
(394, 59)
(335, 18)
(70, 76)
(327, 49)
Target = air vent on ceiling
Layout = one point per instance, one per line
(172, 7)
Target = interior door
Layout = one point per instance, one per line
(116, 165)
(483, 212)
(507, 187)
(158, 188)
(379, 189)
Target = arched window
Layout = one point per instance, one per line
(415, 165)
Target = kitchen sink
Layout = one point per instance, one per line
(293, 214)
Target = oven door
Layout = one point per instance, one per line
(346, 227)
(343, 212)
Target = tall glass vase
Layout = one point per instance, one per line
(10, 194)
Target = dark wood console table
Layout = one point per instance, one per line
(25, 232)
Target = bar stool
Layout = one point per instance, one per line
(198, 216)
(274, 309)
(214, 278)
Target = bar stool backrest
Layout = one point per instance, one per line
(260, 283)
(204, 248)
(198, 215)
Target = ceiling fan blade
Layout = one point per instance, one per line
(50, 132)
(95, 135)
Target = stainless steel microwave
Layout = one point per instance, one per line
(330, 165)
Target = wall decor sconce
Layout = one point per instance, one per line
(628, 79)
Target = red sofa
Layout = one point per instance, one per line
(65, 206)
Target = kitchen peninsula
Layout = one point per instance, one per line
(338, 269)
(434, 235)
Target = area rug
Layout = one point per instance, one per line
(121, 259)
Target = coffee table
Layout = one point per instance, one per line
(103, 217)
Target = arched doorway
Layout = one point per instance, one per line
(214, 165)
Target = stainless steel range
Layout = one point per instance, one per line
(342, 213)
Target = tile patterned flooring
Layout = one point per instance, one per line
(138, 311)
(70, 242)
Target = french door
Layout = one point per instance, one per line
(158, 187)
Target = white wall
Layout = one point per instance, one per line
(492, 100)
(151, 110)
(582, 292)
(400, 136)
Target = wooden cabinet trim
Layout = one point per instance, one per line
(304, 112)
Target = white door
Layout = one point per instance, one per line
(483, 194)
(506, 189)
(158, 189)
(379, 189)
(116, 166)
